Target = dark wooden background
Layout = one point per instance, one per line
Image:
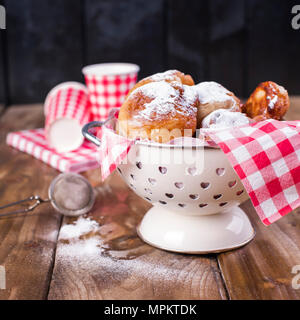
(236, 42)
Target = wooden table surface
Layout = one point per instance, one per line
(39, 265)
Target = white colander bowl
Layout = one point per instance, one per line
(195, 195)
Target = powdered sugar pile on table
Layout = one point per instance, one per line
(78, 247)
(79, 228)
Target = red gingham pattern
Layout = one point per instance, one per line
(107, 92)
(113, 150)
(34, 143)
(265, 155)
(69, 100)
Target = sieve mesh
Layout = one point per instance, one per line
(71, 194)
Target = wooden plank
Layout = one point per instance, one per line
(188, 37)
(263, 269)
(124, 267)
(273, 45)
(227, 44)
(44, 46)
(125, 31)
(27, 242)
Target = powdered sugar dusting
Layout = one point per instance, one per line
(211, 91)
(271, 102)
(87, 247)
(163, 95)
(223, 118)
(88, 262)
(166, 100)
(79, 245)
(79, 228)
(190, 95)
(167, 75)
(97, 270)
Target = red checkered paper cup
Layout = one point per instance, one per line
(108, 84)
(66, 110)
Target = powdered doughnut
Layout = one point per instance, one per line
(212, 96)
(268, 101)
(159, 111)
(168, 76)
(223, 118)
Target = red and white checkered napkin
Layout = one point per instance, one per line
(113, 150)
(265, 155)
(34, 143)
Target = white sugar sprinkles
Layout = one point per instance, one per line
(79, 228)
(272, 101)
(76, 246)
(165, 98)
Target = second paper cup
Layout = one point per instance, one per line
(66, 111)
(108, 85)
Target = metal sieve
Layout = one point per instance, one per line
(69, 194)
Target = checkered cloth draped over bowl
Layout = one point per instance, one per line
(34, 143)
(265, 155)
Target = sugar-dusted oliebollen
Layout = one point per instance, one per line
(168, 105)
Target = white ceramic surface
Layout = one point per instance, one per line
(195, 195)
(192, 234)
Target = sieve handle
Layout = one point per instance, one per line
(38, 200)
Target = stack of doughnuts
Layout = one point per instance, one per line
(168, 105)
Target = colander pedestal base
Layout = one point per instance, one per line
(199, 234)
